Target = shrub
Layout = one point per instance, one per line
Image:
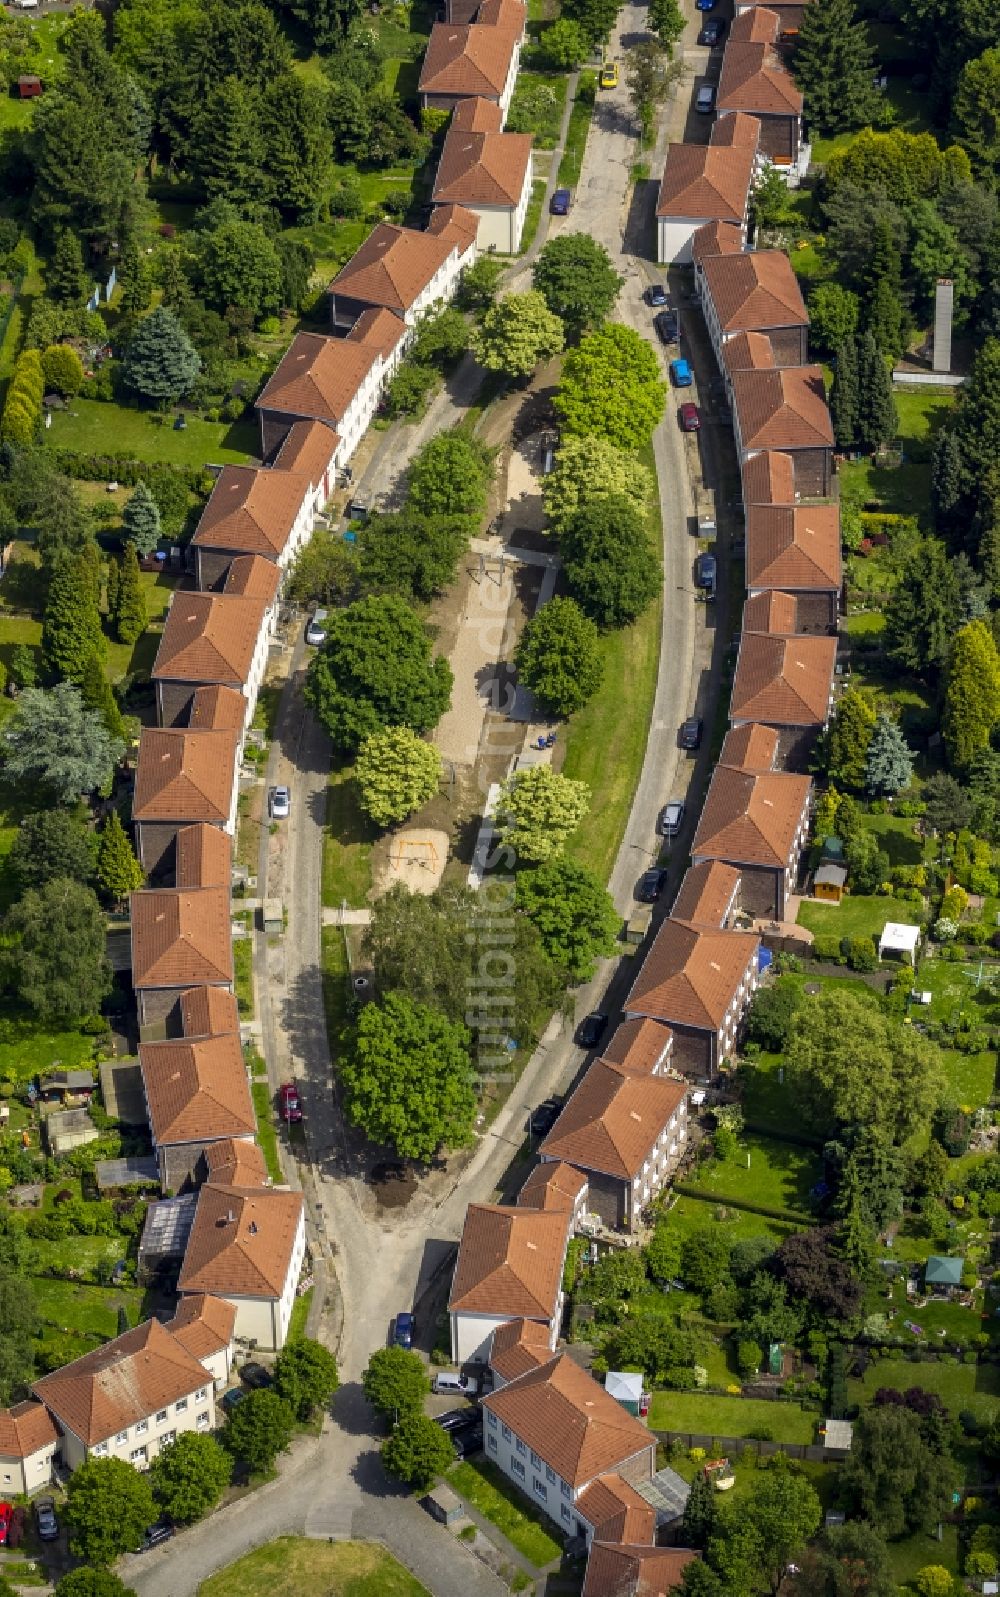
(861, 954)
(945, 930)
(826, 946)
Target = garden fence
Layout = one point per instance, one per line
(733, 1446)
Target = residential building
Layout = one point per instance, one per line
(203, 857)
(474, 60)
(206, 1327)
(557, 1186)
(182, 778)
(128, 1399)
(613, 1511)
(700, 983)
(796, 550)
(517, 1347)
(625, 1128)
(754, 293)
(509, 1266)
(751, 747)
(384, 331)
(769, 479)
(488, 172)
(335, 381)
(709, 895)
(215, 638)
(554, 1431)
(28, 1444)
(248, 1245)
(309, 450)
(786, 410)
(180, 939)
(702, 184)
(265, 512)
(218, 709)
(640, 1045)
(716, 238)
(400, 270)
(756, 81)
(780, 614)
(206, 1012)
(786, 683)
(788, 13)
(197, 1093)
(635, 1571)
(757, 822)
(235, 1162)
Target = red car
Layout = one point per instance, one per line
(690, 419)
(289, 1104)
(5, 1512)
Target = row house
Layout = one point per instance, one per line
(754, 293)
(756, 81)
(715, 238)
(402, 271)
(196, 1093)
(756, 822)
(709, 894)
(626, 1129)
(205, 1012)
(699, 982)
(786, 683)
(518, 1346)
(247, 1246)
(509, 1266)
(487, 171)
(633, 1570)
(384, 331)
(786, 410)
(642, 1045)
(788, 12)
(336, 382)
(217, 639)
(180, 939)
(235, 1162)
(206, 1327)
(183, 778)
(768, 478)
(128, 1399)
(268, 514)
(702, 185)
(796, 550)
(474, 60)
(558, 1188)
(29, 1443)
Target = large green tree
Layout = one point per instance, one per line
(258, 1429)
(395, 1381)
(53, 740)
(86, 1582)
(892, 1477)
(590, 468)
(889, 761)
(611, 387)
(834, 68)
(574, 913)
(238, 266)
(377, 669)
(848, 1560)
(976, 113)
(972, 694)
(129, 618)
(758, 1537)
(55, 955)
(408, 1079)
(848, 740)
(108, 1508)
(160, 363)
(141, 520)
(559, 657)
(666, 20)
(189, 1476)
(71, 629)
(878, 419)
(923, 610)
(397, 772)
(51, 843)
(65, 277)
(845, 395)
(539, 808)
(612, 569)
(418, 1451)
(451, 476)
(575, 277)
(517, 334)
(834, 313)
(305, 1375)
(406, 552)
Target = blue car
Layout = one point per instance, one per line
(559, 203)
(680, 374)
(403, 1331)
(704, 5)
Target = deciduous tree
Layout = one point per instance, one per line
(517, 333)
(559, 657)
(450, 476)
(397, 772)
(539, 808)
(589, 468)
(84, 1582)
(611, 568)
(305, 1375)
(892, 1478)
(108, 1507)
(238, 266)
(189, 1476)
(576, 279)
(666, 20)
(408, 553)
(771, 1015)
(418, 1451)
(408, 1079)
(51, 843)
(395, 1382)
(55, 957)
(757, 1538)
(55, 741)
(325, 570)
(834, 313)
(566, 44)
(574, 913)
(376, 669)
(258, 1429)
(611, 387)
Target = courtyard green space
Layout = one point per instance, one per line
(689, 1214)
(92, 426)
(711, 1415)
(580, 116)
(546, 108)
(267, 1136)
(959, 1386)
(765, 1171)
(28, 1048)
(83, 1309)
(295, 1567)
(856, 915)
(911, 1554)
(939, 1322)
(347, 843)
(493, 1495)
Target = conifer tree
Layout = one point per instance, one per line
(889, 762)
(141, 521)
(118, 871)
(834, 68)
(885, 315)
(97, 694)
(130, 609)
(878, 420)
(71, 629)
(66, 278)
(113, 573)
(844, 395)
(161, 362)
(972, 694)
(948, 482)
(133, 276)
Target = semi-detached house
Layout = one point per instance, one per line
(180, 939)
(29, 1442)
(786, 683)
(334, 381)
(473, 60)
(182, 778)
(702, 185)
(247, 1246)
(509, 1266)
(699, 981)
(487, 171)
(404, 271)
(796, 549)
(217, 639)
(756, 81)
(267, 513)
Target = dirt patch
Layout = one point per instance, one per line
(416, 857)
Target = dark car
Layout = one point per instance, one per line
(656, 294)
(705, 572)
(544, 1117)
(459, 1419)
(469, 1441)
(45, 1519)
(289, 1103)
(559, 203)
(690, 418)
(591, 1029)
(650, 886)
(155, 1536)
(667, 327)
(404, 1330)
(690, 733)
(704, 100)
(711, 33)
(233, 1398)
(255, 1376)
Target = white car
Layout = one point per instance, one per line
(316, 628)
(671, 817)
(454, 1384)
(279, 803)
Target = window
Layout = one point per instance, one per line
(550, 1475)
(100, 1450)
(522, 1449)
(140, 1426)
(540, 1490)
(564, 1488)
(201, 1393)
(161, 1416)
(567, 1516)
(122, 1436)
(492, 1443)
(137, 1455)
(491, 1419)
(536, 1462)
(180, 1405)
(202, 1420)
(167, 1438)
(518, 1468)
(505, 1432)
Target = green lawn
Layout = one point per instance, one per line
(266, 1134)
(295, 1567)
(299, 1316)
(88, 1310)
(243, 972)
(347, 843)
(76, 1253)
(91, 426)
(908, 1556)
(695, 1214)
(576, 141)
(856, 916)
(532, 215)
(959, 1386)
(335, 973)
(548, 110)
(780, 1174)
(899, 836)
(731, 1416)
(494, 1496)
(28, 1048)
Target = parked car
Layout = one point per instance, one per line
(704, 5)
(255, 1375)
(667, 327)
(690, 733)
(680, 373)
(656, 294)
(289, 1103)
(404, 1329)
(591, 1029)
(233, 1398)
(609, 75)
(712, 32)
(316, 628)
(704, 100)
(706, 571)
(156, 1535)
(458, 1419)
(468, 1441)
(671, 818)
(279, 803)
(6, 1510)
(690, 418)
(650, 886)
(45, 1519)
(560, 203)
(451, 1381)
(544, 1117)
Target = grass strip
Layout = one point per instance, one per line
(498, 1501)
(576, 133)
(266, 1134)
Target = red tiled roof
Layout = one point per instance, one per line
(203, 1324)
(552, 1185)
(795, 548)
(253, 577)
(318, 377)
(754, 78)
(569, 1420)
(26, 1428)
(392, 267)
(716, 238)
(751, 818)
(183, 775)
(750, 747)
(614, 1570)
(755, 291)
(483, 168)
(736, 128)
(477, 116)
(181, 939)
(456, 224)
(236, 1162)
(510, 1261)
(612, 1120)
(242, 1241)
(126, 1380)
(209, 637)
(197, 1090)
(691, 974)
(706, 180)
(519, 1346)
(771, 611)
(252, 511)
(208, 1011)
(204, 857)
(758, 26)
(783, 681)
(639, 1044)
(217, 709)
(769, 479)
(782, 410)
(616, 1512)
(706, 894)
(308, 449)
(746, 352)
(380, 328)
(467, 59)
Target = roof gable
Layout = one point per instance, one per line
(706, 180)
(510, 1261)
(181, 938)
(569, 1420)
(242, 1241)
(752, 818)
(184, 775)
(691, 974)
(783, 409)
(794, 548)
(613, 1118)
(197, 1089)
(784, 681)
(755, 291)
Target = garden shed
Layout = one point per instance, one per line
(68, 1128)
(838, 1436)
(900, 940)
(943, 1273)
(830, 883)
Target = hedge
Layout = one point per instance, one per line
(792, 1216)
(129, 471)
